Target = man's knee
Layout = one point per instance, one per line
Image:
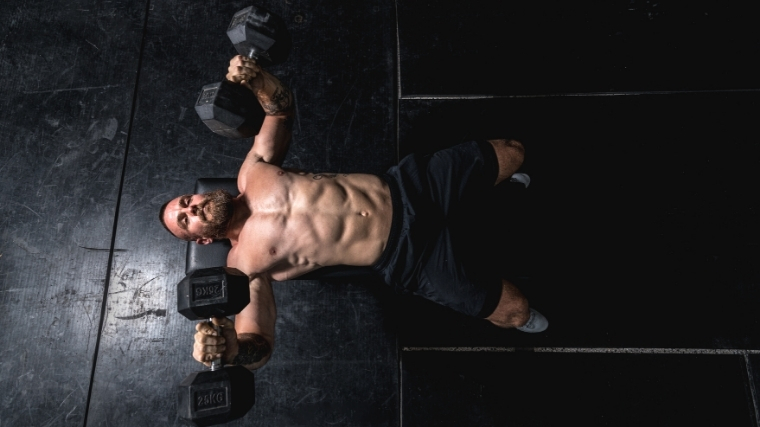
(510, 154)
(512, 143)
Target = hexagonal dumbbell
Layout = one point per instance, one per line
(227, 108)
(224, 393)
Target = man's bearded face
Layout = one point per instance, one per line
(215, 213)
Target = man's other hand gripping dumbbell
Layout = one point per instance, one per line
(249, 340)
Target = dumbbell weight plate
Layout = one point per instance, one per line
(214, 397)
(230, 110)
(261, 35)
(213, 292)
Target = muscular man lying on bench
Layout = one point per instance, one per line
(284, 224)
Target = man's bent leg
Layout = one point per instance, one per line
(510, 155)
(513, 310)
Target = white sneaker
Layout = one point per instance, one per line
(522, 178)
(536, 323)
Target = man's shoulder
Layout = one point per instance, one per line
(255, 172)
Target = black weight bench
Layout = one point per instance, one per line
(215, 254)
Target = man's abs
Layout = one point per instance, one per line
(301, 221)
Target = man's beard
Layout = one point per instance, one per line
(220, 210)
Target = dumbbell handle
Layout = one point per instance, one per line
(216, 364)
(255, 55)
(252, 54)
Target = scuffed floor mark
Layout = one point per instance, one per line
(110, 130)
(27, 207)
(76, 89)
(139, 289)
(21, 243)
(100, 249)
(157, 313)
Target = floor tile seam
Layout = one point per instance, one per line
(400, 373)
(571, 94)
(399, 94)
(594, 350)
(114, 228)
(397, 101)
(752, 389)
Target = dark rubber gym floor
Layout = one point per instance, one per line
(639, 237)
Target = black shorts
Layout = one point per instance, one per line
(430, 249)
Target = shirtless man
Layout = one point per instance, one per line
(284, 224)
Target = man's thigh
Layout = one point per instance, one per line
(461, 173)
(455, 275)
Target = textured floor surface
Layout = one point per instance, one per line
(638, 238)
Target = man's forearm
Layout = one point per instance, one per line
(275, 98)
(253, 351)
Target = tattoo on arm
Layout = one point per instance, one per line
(252, 348)
(279, 101)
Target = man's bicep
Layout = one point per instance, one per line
(269, 146)
(249, 164)
(254, 326)
(259, 316)
(272, 141)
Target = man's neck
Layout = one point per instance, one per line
(240, 214)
